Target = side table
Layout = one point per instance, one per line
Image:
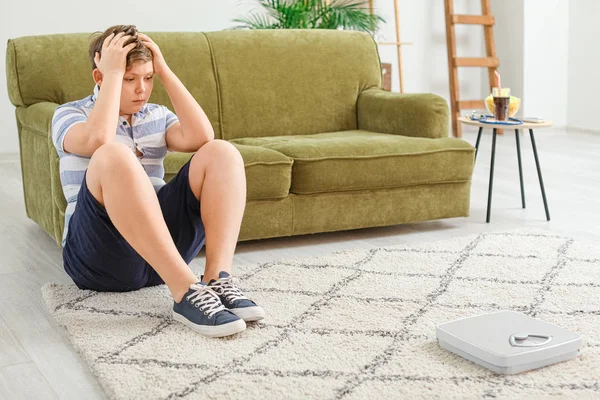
(525, 125)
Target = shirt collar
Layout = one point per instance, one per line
(139, 115)
(96, 91)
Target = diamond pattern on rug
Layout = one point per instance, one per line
(370, 285)
(270, 385)
(357, 315)
(415, 387)
(321, 352)
(146, 380)
(438, 314)
(414, 262)
(580, 272)
(204, 351)
(584, 323)
(442, 364)
(520, 245)
(585, 371)
(573, 299)
(501, 267)
(501, 294)
(584, 250)
(350, 325)
(154, 301)
(281, 313)
(296, 278)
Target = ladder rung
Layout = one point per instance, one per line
(473, 19)
(489, 62)
(471, 104)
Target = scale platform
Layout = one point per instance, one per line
(508, 342)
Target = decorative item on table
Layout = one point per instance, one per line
(386, 75)
(483, 117)
(502, 97)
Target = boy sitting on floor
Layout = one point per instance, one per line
(126, 229)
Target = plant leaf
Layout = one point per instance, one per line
(311, 14)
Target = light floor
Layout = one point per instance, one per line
(36, 357)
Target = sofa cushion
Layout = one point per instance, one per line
(268, 172)
(358, 160)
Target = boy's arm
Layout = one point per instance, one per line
(101, 126)
(193, 129)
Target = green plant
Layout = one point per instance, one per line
(311, 14)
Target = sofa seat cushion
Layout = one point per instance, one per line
(268, 172)
(359, 160)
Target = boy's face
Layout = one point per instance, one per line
(137, 87)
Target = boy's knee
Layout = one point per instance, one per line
(112, 149)
(113, 154)
(223, 151)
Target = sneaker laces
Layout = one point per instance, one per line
(205, 299)
(227, 287)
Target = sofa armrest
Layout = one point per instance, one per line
(37, 117)
(418, 115)
(44, 200)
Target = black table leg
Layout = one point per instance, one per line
(520, 168)
(477, 143)
(489, 205)
(539, 171)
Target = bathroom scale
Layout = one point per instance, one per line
(508, 342)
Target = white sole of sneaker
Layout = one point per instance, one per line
(249, 314)
(230, 328)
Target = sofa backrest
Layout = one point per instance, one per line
(249, 83)
(287, 82)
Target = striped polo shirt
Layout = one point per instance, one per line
(146, 133)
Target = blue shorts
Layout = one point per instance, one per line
(97, 257)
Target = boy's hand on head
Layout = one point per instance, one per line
(158, 61)
(114, 54)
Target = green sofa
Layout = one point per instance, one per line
(325, 148)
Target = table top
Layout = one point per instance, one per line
(524, 125)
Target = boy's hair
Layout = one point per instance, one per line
(139, 53)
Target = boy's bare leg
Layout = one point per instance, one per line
(218, 180)
(118, 181)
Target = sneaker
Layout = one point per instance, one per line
(202, 310)
(233, 299)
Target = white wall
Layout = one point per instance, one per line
(532, 43)
(508, 35)
(546, 59)
(425, 62)
(422, 22)
(584, 59)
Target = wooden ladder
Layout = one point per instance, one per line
(490, 61)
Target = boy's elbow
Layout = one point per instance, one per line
(208, 136)
(205, 140)
(96, 141)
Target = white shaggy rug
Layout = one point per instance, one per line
(351, 325)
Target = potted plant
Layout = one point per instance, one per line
(311, 14)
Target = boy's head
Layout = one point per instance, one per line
(138, 78)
